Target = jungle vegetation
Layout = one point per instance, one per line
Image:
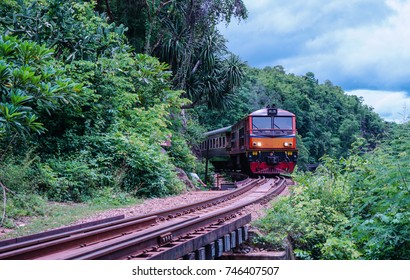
(90, 91)
(355, 207)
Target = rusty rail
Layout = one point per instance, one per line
(135, 237)
(74, 238)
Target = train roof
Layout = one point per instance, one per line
(264, 112)
(261, 113)
(220, 130)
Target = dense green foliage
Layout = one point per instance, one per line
(71, 28)
(353, 208)
(184, 35)
(80, 114)
(32, 84)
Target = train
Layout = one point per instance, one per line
(262, 143)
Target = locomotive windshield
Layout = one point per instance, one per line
(282, 122)
(263, 123)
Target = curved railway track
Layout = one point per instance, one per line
(206, 227)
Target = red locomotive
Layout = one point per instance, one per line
(262, 143)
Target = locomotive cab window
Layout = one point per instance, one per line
(272, 123)
(282, 123)
(261, 122)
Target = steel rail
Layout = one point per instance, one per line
(57, 240)
(112, 234)
(161, 234)
(243, 187)
(71, 239)
(179, 249)
(203, 238)
(118, 248)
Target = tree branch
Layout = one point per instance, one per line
(196, 67)
(4, 203)
(109, 12)
(193, 104)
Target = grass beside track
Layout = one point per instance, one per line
(57, 215)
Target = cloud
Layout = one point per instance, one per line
(354, 44)
(391, 106)
(371, 55)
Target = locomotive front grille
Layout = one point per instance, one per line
(271, 160)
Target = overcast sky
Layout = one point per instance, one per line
(361, 45)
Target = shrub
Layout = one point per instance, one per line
(350, 208)
(20, 177)
(68, 179)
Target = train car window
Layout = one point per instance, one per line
(220, 142)
(261, 123)
(223, 142)
(213, 143)
(241, 137)
(233, 140)
(282, 122)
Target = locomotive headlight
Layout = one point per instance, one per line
(272, 112)
(287, 144)
(258, 144)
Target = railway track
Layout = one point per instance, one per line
(207, 228)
